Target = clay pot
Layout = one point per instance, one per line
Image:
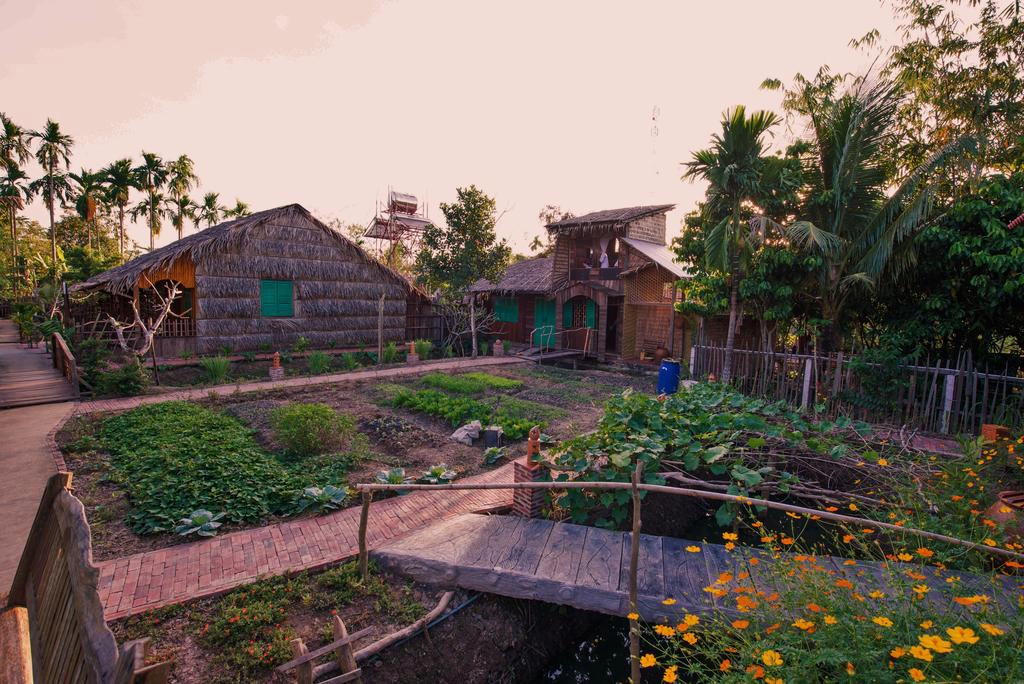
(991, 432)
(1008, 510)
(659, 354)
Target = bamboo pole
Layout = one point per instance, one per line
(634, 562)
(364, 518)
(683, 491)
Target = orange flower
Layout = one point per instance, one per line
(755, 671)
(916, 674)
(936, 643)
(771, 658)
(927, 624)
(898, 652)
(730, 536)
(850, 669)
(921, 653)
(992, 629)
(755, 561)
(805, 625)
(788, 540)
(882, 621)
(690, 638)
(962, 635)
(669, 602)
(693, 549)
(829, 620)
(664, 630)
(725, 665)
(648, 660)
(925, 553)
(844, 584)
(740, 624)
(814, 607)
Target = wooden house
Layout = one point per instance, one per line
(258, 282)
(608, 288)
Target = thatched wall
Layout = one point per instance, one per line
(336, 288)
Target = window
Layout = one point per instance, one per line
(276, 299)
(506, 309)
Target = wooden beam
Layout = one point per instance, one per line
(323, 650)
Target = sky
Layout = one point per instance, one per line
(588, 105)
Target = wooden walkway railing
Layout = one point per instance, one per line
(53, 630)
(64, 361)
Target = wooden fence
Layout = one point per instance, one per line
(64, 361)
(941, 396)
(54, 630)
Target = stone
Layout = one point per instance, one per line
(467, 433)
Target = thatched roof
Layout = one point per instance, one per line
(607, 218)
(532, 276)
(229, 236)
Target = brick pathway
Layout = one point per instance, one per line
(374, 374)
(144, 581)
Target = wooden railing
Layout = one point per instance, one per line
(548, 333)
(64, 361)
(53, 630)
(177, 327)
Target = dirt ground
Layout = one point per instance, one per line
(397, 438)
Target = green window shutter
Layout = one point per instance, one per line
(591, 314)
(506, 309)
(276, 298)
(567, 316)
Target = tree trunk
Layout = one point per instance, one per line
(150, 222)
(120, 220)
(53, 228)
(734, 289)
(472, 323)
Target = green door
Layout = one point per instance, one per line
(544, 321)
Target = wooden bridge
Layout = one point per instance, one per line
(28, 376)
(588, 567)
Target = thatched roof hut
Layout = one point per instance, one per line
(530, 276)
(264, 280)
(606, 220)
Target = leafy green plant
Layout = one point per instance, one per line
(215, 368)
(309, 429)
(286, 356)
(493, 454)
(92, 355)
(187, 355)
(322, 499)
(395, 476)
(129, 380)
(469, 383)
(459, 410)
(423, 348)
(301, 345)
(227, 350)
(438, 474)
(349, 361)
(200, 522)
(390, 353)
(264, 347)
(248, 356)
(506, 346)
(318, 362)
(484, 348)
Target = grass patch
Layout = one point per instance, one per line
(469, 383)
(175, 457)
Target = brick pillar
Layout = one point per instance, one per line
(528, 502)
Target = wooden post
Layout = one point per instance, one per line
(947, 402)
(345, 656)
(634, 561)
(380, 331)
(304, 671)
(805, 397)
(364, 555)
(672, 323)
(472, 323)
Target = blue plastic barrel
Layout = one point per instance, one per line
(668, 377)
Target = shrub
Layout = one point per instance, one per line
(216, 368)
(423, 348)
(129, 380)
(301, 345)
(390, 353)
(227, 350)
(485, 348)
(349, 361)
(309, 429)
(506, 346)
(438, 474)
(248, 356)
(318, 362)
(92, 355)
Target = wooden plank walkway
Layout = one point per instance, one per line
(588, 567)
(27, 375)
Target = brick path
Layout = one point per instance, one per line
(353, 376)
(144, 581)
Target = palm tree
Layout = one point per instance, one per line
(238, 211)
(151, 176)
(88, 194)
(861, 225)
(180, 208)
(53, 153)
(120, 178)
(732, 167)
(210, 210)
(14, 192)
(182, 178)
(152, 209)
(13, 142)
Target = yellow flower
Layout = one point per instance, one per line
(730, 536)
(991, 629)
(648, 660)
(852, 507)
(898, 652)
(664, 630)
(991, 542)
(829, 620)
(936, 643)
(690, 638)
(774, 680)
(921, 589)
(670, 675)
(921, 653)
(882, 462)
(633, 616)
(803, 624)
(916, 674)
(669, 602)
(740, 624)
(882, 621)
(876, 594)
(962, 635)
(691, 620)
(850, 669)
(905, 557)
(729, 546)
(693, 549)
(927, 624)
(771, 658)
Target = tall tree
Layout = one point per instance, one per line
(180, 208)
(152, 208)
(152, 176)
(14, 192)
(14, 147)
(854, 215)
(120, 179)
(181, 178)
(88, 195)
(455, 256)
(732, 168)
(53, 154)
(210, 210)
(238, 211)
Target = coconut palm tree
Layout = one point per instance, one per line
(238, 211)
(152, 209)
(181, 178)
(151, 176)
(862, 226)
(88, 194)
(210, 210)
(14, 192)
(119, 178)
(180, 208)
(53, 153)
(732, 168)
